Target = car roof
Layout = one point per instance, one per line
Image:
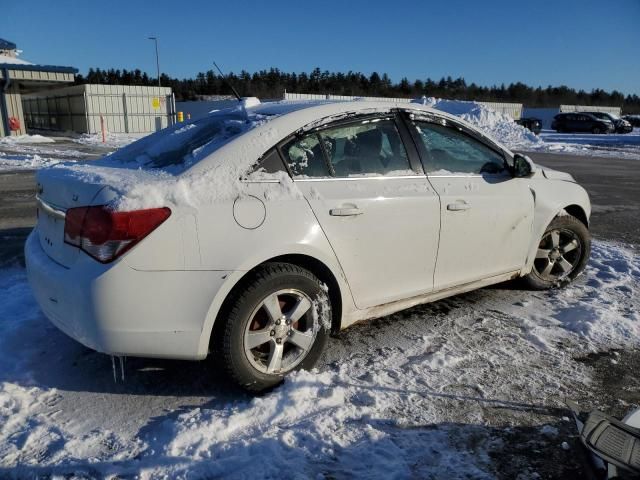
(285, 117)
(336, 107)
(577, 113)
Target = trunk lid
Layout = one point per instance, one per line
(57, 190)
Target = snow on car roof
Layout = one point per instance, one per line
(146, 173)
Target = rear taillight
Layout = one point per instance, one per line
(105, 234)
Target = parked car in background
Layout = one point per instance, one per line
(634, 120)
(621, 125)
(581, 122)
(252, 233)
(532, 123)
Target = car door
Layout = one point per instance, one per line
(584, 123)
(573, 125)
(374, 203)
(486, 214)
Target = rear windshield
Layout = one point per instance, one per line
(177, 148)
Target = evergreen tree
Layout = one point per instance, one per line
(272, 83)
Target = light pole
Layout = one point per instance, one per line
(155, 39)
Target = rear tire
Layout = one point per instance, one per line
(562, 255)
(278, 322)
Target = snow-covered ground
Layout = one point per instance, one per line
(432, 392)
(31, 152)
(610, 145)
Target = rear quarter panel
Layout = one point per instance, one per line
(289, 227)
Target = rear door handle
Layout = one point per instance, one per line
(345, 212)
(458, 206)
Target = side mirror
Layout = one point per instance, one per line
(522, 165)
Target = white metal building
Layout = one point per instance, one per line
(81, 108)
(18, 77)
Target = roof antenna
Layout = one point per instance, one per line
(224, 79)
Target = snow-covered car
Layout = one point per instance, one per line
(255, 232)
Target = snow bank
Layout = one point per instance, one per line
(25, 162)
(516, 137)
(610, 145)
(22, 139)
(112, 140)
(413, 395)
(495, 124)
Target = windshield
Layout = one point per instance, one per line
(177, 148)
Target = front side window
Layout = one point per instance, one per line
(371, 146)
(451, 151)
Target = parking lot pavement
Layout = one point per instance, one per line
(17, 213)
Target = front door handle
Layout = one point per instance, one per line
(458, 206)
(345, 212)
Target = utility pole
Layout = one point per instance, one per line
(155, 39)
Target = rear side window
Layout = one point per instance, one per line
(451, 151)
(270, 163)
(305, 157)
(371, 146)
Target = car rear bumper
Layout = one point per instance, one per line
(117, 310)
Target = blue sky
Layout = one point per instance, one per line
(580, 43)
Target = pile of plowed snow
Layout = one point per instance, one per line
(497, 125)
(25, 139)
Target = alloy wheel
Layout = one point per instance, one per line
(558, 254)
(281, 331)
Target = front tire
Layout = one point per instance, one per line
(563, 253)
(278, 322)
(596, 131)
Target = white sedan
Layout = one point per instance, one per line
(255, 232)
